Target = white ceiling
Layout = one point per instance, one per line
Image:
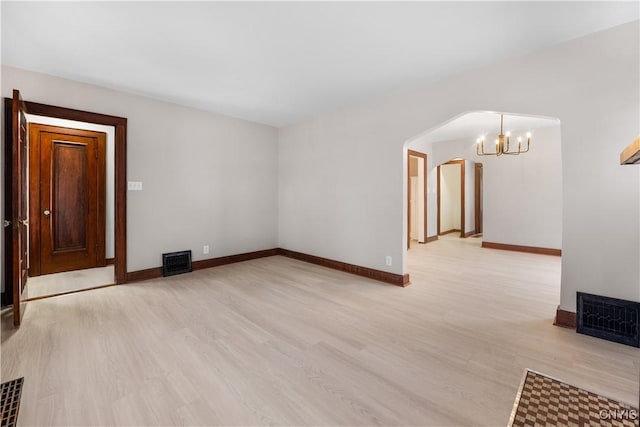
(281, 62)
(487, 123)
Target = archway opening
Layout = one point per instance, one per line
(511, 202)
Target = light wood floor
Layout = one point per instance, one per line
(51, 284)
(282, 342)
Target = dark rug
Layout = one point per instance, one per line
(11, 392)
(545, 401)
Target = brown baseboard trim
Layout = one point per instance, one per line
(565, 319)
(469, 234)
(110, 261)
(147, 274)
(156, 272)
(382, 276)
(71, 292)
(231, 259)
(454, 230)
(432, 239)
(518, 248)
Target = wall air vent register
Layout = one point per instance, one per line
(611, 319)
(176, 263)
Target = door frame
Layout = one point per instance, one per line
(423, 156)
(120, 164)
(462, 190)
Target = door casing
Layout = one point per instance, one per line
(120, 165)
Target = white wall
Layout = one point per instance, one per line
(523, 194)
(590, 84)
(450, 197)
(110, 170)
(207, 178)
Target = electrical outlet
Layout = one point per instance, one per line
(388, 260)
(205, 249)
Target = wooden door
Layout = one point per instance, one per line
(16, 225)
(68, 199)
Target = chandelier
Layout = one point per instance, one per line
(502, 143)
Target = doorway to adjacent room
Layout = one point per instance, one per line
(68, 169)
(71, 205)
(416, 197)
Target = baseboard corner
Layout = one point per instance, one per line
(406, 281)
(379, 275)
(565, 319)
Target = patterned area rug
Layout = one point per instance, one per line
(545, 401)
(11, 392)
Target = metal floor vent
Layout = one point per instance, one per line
(611, 319)
(176, 263)
(11, 392)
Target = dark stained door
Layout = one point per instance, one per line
(68, 200)
(16, 156)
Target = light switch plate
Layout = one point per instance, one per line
(134, 186)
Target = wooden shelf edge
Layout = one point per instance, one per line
(631, 154)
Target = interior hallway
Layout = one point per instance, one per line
(279, 341)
